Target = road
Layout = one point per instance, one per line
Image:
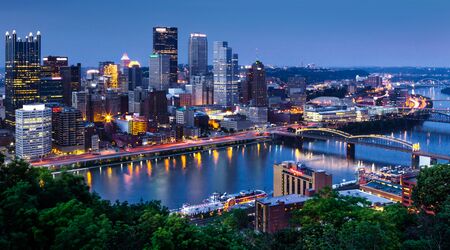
(72, 159)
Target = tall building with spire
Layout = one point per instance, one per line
(124, 62)
(165, 42)
(22, 72)
(198, 54)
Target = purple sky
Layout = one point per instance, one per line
(285, 32)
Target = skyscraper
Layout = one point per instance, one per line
(68, 128)
(198, 54)
(51, 86)
(71, 80)
(79, 101)
(22, 72)
(33, 131)
(225, 88)
(134, 72)
(124, 62)
(155, 107)
(165, 42)
(257, 86)
(159, 72)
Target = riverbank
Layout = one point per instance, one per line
(379, 126)
(150, 153)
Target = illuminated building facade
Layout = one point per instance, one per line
(22, 72)
(165, 42)
(198, 54)
(202, 89)
(111, 75)
(68, 129)
(290, 177)
(132, 124)
(33, 131)
(124, 62)
(225, 85)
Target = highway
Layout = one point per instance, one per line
(73, 159)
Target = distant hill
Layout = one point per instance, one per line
(315, 75)
(412, 73)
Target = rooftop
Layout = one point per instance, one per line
(374, 199)
(286, 199)
(385, 187)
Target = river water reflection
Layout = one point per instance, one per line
(192, 177)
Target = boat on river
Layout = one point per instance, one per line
(219, 202)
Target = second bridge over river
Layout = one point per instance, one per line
(373, 140)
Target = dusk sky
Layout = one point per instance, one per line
(324, 32)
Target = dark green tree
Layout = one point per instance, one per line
(432, 187)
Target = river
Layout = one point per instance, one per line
(192, 177)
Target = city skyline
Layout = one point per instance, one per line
(347, 33)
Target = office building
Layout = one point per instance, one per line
(159, 72)
(257, 86)
(55, 63)
(33, 131)
(165, 42)
(274, 213)
(290, 177)
(96, 108)
(198, 54)
(374, 81)
(124, 62)
(111, 76)
(131, 124)
(51, 87)
(102, 65)
(185, 116)
(71, 80)
(135, 99)
(296, 85)
(185, 99)
(198, 83)
(22, 72)
(225, 83)
(79, 101)
(134, 75)
(68, 130)
(112, 103)
(154, 107)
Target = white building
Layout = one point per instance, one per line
(33, 131)
(185, 116)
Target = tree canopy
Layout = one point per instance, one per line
(39, 211)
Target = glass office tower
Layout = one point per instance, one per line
(22, 72)
(165, 42)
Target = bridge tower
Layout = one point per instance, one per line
(350, 151)
(415, 161)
